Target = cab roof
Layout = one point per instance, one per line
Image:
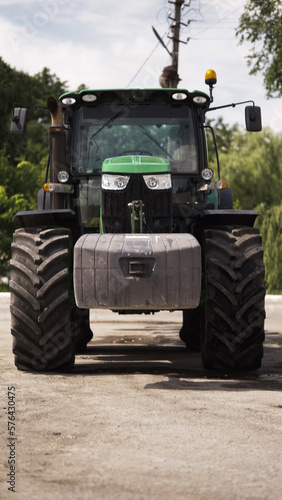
(123, 96)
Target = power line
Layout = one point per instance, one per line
(220, 20)
(210, 24)
(209, 38)
(146, 60)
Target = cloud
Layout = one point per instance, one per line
(109, 44)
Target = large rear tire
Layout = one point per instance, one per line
(234, 285)
(190, 332)
(40, 285)
(83, 332)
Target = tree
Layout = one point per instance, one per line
(18, 192)
(23, 159)
(224, 138)
(260, 24)
(20, 88)
(252, 167)
(251, 164)
(270, 226)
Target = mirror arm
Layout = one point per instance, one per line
(33, 106)
(229, 105)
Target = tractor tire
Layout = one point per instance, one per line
(190, 332)
(41, 318)
(234, 306)
(83, 332)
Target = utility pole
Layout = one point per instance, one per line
(176, 34)
(170, 78)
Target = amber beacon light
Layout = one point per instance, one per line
(210, 80)
(210, 77)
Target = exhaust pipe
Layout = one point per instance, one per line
(55, 111)
(57, 149)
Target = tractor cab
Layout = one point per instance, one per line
(132, 145)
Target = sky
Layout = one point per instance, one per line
(111, 44)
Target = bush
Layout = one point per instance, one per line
(271, 230)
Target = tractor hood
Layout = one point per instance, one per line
(136, 164)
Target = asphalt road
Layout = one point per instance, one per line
(139, 418)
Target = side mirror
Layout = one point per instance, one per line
(253, 118)
(19, 119)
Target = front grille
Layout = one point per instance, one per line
(157, 207)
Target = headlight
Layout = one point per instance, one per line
(63, 176)
(179, 96)
(89, 97)
(113, 182)
(158, 181)
(207, 174)
(199, 99)
(68, 101)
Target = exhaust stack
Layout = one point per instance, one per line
(57, 149)
(55, 111)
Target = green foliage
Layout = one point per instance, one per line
(271, 230)
(8, 206)
(252, 166)
(23, 159)
(224, 136)
(18, 192)
(260, 24)
(19, 88)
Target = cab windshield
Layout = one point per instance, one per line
(157, 129)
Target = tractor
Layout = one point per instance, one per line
(132, 219)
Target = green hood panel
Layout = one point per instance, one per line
(135, 164)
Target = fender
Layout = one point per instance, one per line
(228, 217)
(51, 218)
(204, 215)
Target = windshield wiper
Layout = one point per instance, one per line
(154, 140)
(112, 119)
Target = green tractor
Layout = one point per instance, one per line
(132, 219)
